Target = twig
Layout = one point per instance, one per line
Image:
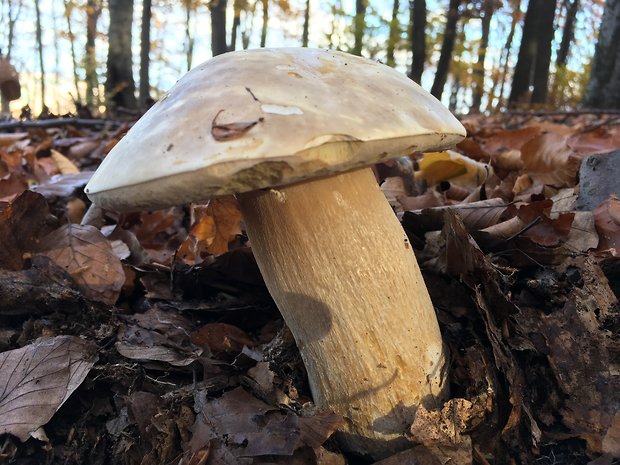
(584, 111)
(50, 123)
(600, 124)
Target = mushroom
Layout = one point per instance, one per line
(292, 132)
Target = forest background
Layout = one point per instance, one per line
(483, 55)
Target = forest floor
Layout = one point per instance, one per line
(150, 338)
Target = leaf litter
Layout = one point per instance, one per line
(149, 338)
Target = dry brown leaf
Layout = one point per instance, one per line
(62, 185)
(21, 224)
(442, 431)
(505, 140)
(240, 425)
(221, 339)
(607, 219)
(38, 378)
(549, 160)
(600, 140)
(83, 148)
(88, 257)
(11, 138)
(159, 336)
(229, 131)
(215, 225)
(475, 216)
(541, 228)
(12, 185)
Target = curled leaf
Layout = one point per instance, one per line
(38, 378)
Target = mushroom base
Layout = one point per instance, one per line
(344, 276)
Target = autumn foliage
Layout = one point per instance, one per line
(149, 337)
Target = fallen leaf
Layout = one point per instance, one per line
(11, 138)
(65, 166)
(40, 289)
(221, 339)
(452, 166)
(88, 257)
(247, 427)
(505, 140)
(229, 131)
(21, 224)
(38, 378)
(214, 226)
(540, 227)
(549, 160)
(607, 219)
(62, 185)
(600, 140)
(158, 336)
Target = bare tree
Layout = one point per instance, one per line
(417, 37)
(449, 38)
(76, 79)
(603, 90)
(37, 10)
(505, 55)
(359, 26)
(145, 49)
(304, 35)
(218, 27)
(488, 8)
(93, 11)
(263, 32)
(189, 39)
(394, 37)
(13, 15)
(237, 7)
(120, 86)
(568, 32)
(534, 53)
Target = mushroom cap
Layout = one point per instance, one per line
(260, 118)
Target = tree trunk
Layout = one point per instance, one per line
(359, 26)
(40, 50)
(304, 35)
(540, 79)
(394, 38)
(263, 32)
(567, 34)
(93, 10)
(603, 90)
(417, 9)
(218, 27)
(189, 40)
(120, 87)
(505, 59)
(76, 79)
(145, 49)
(522, 77)
(478, 84)
(12, 19)
(235, 26)
(443, 65)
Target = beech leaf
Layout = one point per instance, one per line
(38, 378)
(89, 258)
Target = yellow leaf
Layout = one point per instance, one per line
(65, 166)
(436, 167)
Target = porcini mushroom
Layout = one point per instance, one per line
(292, 132)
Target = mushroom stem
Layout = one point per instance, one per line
(345, 278)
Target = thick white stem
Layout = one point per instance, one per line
(343, 274)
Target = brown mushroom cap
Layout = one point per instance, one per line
(259, 118)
